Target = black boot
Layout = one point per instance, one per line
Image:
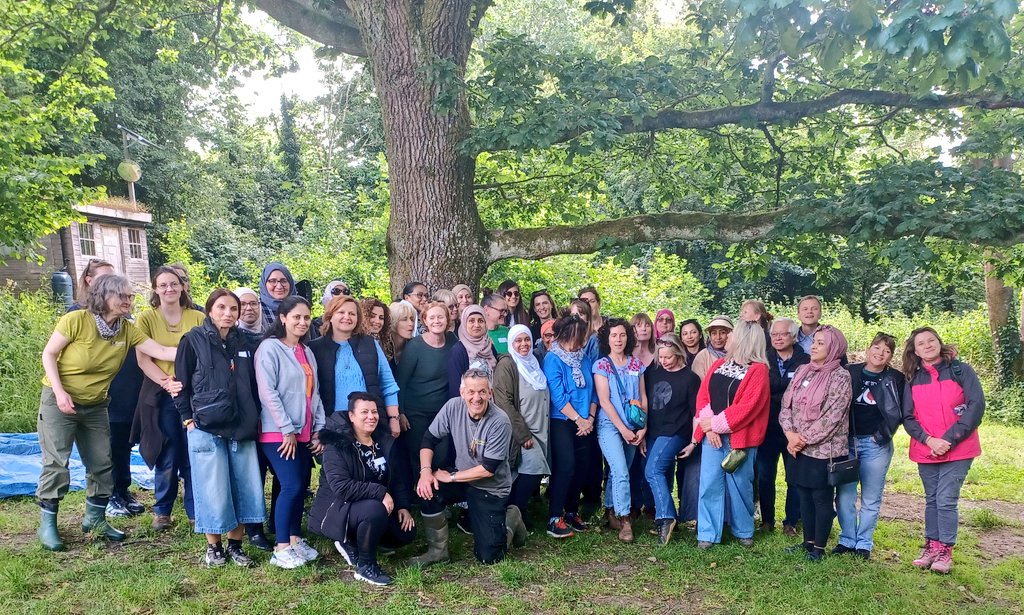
(257, 538)
(47, 531)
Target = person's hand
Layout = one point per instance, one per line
(405, 520)
(939, 446)
(403, 422)
(64, 402)
(396, 427)
(426, 485)
(443, 476)
(287, 448)
(687, 451)
(714, 439)
(172, 386)
(643, 447)
(627, 434)
(389, 502)
(528, 444)
(795, 440)
(705, 424)
(191, 426)
(315, 445)
(640, 435)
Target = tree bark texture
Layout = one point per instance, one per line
(435, 234)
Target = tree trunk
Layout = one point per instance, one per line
(435, 234)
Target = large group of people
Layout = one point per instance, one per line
(438, 406)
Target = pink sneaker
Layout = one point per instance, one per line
(943, 564)
(929, 554)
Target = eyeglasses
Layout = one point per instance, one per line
(548, 336)
(250, 304)
(512, 293)
(664, 344)
(665, 319)
(419, 295)
(126, 297)
(590, 301)
(277, 282)
(782, 334)
(502, 312)
(171, 286)
(340, 290)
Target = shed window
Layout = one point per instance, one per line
(135, 243)
(86, 239)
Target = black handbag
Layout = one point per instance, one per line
(848, 470)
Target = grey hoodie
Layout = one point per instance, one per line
(281, 383)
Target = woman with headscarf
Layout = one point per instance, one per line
(474, 348)
(276, 283)
(544, 340)
(815, 418)
(664, 322)
(521, 390)
(463, 297)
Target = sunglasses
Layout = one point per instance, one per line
(512, 293)
(341, 290)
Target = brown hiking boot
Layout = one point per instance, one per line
(626, 529)
(611, 520)
(161, 522)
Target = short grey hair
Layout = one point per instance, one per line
(473, 373)
(104, 287)
(791, 326)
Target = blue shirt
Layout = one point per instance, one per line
(804, 341)
(348, 377)
(563, 388)
(629, 374)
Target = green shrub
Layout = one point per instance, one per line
(1006, 405)
(27, 320)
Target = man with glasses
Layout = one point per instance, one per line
(481, 435)
(496, 313)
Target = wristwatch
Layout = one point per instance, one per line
(452, 475)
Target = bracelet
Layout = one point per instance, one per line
(426, 468)
(392, 418)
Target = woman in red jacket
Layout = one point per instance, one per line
(733, 414)
(942, 407)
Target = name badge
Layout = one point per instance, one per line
(634, 372)
(243, 354)
(378, 463)
(503, 340)
(790, 374)
(117, 343)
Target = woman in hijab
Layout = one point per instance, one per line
(463, 296)
(521, 390)
(815, 418)
(276, 283)
(664, 322)
(474, 348)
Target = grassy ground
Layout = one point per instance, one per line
(591, 573)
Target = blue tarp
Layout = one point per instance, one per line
(21, 460)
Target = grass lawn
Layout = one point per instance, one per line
(593, 572)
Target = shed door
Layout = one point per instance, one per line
(112, 247)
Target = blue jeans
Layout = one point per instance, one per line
(661, 455)
(226, 482)
(856, 532)
(294, 477)
(172, 464)
(619, 454)
(714, 483)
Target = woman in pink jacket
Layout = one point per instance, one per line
(942, 407)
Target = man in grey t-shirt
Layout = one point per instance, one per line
(482, 436)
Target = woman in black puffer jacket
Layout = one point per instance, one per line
(363, 498)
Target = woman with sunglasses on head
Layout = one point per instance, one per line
(335, 288)
(875, 415)
(291, 418)
(542, 310)
(163, 442)
(815, 418)
(943, 405)
(517, 314)
(276, 283)
(85, 351)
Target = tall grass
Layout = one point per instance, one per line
(26, 321)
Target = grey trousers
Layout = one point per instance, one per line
(89, 428)
(942, 483)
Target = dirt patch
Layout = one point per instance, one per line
(1000, 543)
(907, 507)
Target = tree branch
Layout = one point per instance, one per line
(779, 112)
(334, 27)
(768, 85)
(780, 163)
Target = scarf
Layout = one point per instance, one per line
(573, 360)
(528, 366)
(107, 332)
(715, 353)
(479, 348)
(327, 296)
(811, 379)
(657, 335)
(267, 303)
(256, 327)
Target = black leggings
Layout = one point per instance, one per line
(523, 489)
(571, 465)
(121, 456)
(817, 509)
(369, 525)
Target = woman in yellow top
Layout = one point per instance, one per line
(82, 356)
(164, 443)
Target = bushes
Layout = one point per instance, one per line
(27, 321)
(1006, 405)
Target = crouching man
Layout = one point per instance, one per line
(481, 434)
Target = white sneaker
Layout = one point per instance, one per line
(306, 552)
(287, 558)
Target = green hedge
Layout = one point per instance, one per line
(26, 320)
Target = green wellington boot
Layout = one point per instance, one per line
(95, 522)
(47, 531)
(436, 530)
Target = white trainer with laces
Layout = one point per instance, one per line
(287, 558)
(305, 551)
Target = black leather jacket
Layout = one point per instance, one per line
(888, 399)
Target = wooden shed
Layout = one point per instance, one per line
(113, 230)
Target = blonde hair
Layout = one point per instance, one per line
(674, 344)
(333, 306)
(747, 344)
